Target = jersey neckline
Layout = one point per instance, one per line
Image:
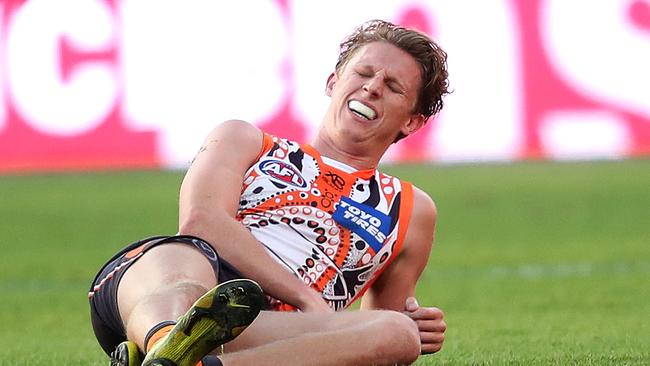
(337, 165)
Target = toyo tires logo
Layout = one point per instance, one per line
(283, 173)
(369, 223)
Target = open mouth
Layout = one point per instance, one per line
(362, 110)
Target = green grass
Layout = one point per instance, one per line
(534, 264)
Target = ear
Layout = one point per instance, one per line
(331, 81)
(414, 123)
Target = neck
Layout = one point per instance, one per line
(358, 156)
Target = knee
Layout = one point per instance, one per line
(186, 288)
(179, 293)
(176, 293)
(399, 337)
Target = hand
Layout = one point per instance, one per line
(430, 323)
(312, 301)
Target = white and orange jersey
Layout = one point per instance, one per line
(335, 227)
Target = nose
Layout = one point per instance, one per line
(374, 85)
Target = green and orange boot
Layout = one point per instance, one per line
(216, 318)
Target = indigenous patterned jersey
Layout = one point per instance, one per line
(334, 227)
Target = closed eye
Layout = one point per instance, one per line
(364, 71)
(364, 74)
(395, 88)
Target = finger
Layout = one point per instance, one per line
(431, 342)
(430, 348)
(432, 337)
(427, 313)
(431, 325)
(411, 304)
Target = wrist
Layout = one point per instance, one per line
(290, 290)
(304, 296)
(312, 300)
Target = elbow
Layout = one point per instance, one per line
(193, 222)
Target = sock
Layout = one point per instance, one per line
(161, 329)
(210, 361)
(156, 333)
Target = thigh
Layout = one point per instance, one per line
(102, 295)
(271, 326)
(163, 265)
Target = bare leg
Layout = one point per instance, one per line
(160, 287)
(345, 338)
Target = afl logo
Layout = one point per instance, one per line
(283, 173)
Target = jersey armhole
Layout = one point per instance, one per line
(267, 144)
(405, 211)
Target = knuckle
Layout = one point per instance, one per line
(443, 326)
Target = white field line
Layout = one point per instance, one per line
(547, 270)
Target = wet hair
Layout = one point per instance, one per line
(431, 58)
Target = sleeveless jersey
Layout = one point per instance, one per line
(334, 227)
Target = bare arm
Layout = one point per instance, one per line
(395, 288)
(209, 200)
(398, 281)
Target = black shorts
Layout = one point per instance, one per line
(104, 313)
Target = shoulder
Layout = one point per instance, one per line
(232, 143)
(424, 207)
(237, 135)
(237, 130)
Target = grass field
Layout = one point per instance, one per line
(534, 264)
